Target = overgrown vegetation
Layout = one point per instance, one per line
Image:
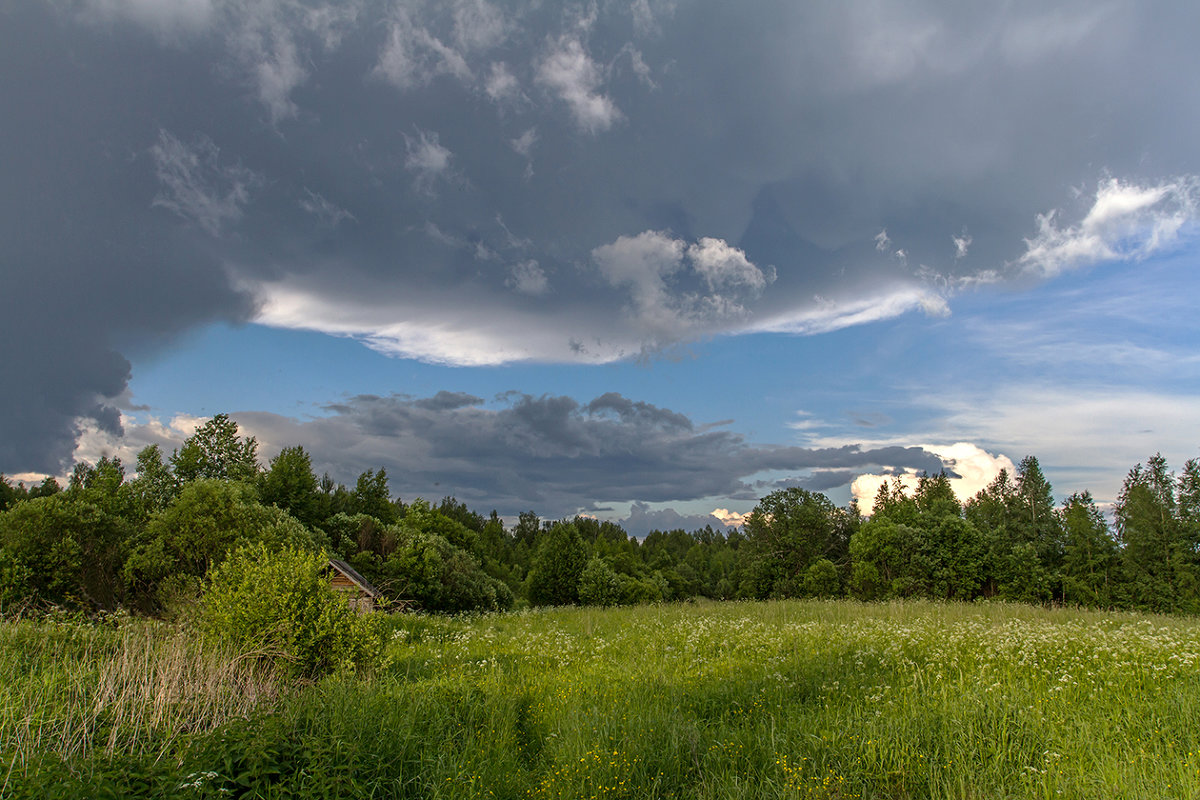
(278, 605)
(821, 699)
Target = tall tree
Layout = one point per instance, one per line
(935, 499)
(215, 451)
(71, 545)
(154, 487)
(1089, 554)
(1160, 563)
(788, 531)
(557, 567)
(373, 497)
(289, 483)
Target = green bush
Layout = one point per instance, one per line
(431, 573)
(15, 586)
(822, 579)
(70, 546)
(599, 585)
(278, 603)
(208, 519)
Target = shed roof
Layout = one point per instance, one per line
(352, 574)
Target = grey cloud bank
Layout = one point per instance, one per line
(465, 182)
(520, 452)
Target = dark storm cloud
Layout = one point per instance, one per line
(89, 269)
(552, 453)
(477, 183)
(448, 401)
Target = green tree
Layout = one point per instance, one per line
(887, 560)
(215, 451)
(372, 496)
(429, 573)
(419, 516)
(1159, 557)
(1090, 553)
(70, 546)
(599, 585)
(9, 495)
(822, 579)
(935, 499)
(154, 487)
(1040, 527)
(351, 534)
(527, 529)
(209, 519)
(289, 483)
(892, 503)
(953, 559)
(787, 532)
(554, 576)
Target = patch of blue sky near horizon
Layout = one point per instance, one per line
(1091, 372)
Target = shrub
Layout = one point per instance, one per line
(278, 603)
(599, 585)
(70, 546)
(822, 580)
(434, 575)
(15, 579)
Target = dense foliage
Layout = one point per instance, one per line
(276, 603)
(106, 542)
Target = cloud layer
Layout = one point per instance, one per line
(471, 183)
(545, 453)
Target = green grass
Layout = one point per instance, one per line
(85, 696)
(786, 700)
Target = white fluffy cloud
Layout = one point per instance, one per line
(724, 266)
(426, 157)
(647, 266)
(167, 18)
(412, 56)
(528, 278)
(571, 74)
(501, 85)
(1127, 221)
(975, 469)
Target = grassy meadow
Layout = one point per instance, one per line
(797, 699)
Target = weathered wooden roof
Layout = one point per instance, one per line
(358, 580)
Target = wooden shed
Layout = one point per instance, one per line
(343, 577)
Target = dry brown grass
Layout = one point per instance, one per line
(72, 688)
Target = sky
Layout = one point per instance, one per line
(647, 260)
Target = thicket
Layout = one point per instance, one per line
(278, 605)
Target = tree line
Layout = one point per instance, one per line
(148, 543)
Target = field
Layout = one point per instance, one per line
(786, 700)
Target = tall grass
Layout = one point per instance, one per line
(739, 700)
(824, 700)
(77, 691)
